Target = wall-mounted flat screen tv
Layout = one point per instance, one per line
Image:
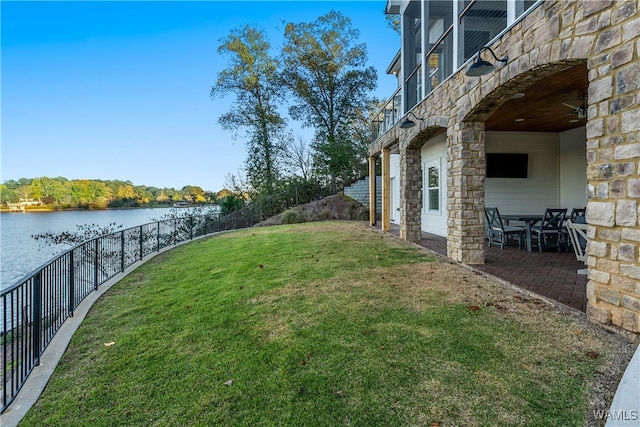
(507, 165)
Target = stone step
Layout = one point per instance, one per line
(359, 191)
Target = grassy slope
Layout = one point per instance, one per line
(320, 324)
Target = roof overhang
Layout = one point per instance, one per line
(393, 7)
(394, 67)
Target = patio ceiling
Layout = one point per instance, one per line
(547, 105)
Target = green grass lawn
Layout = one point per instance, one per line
(321, 324)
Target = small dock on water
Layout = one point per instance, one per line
(17, 207)
(183, 205)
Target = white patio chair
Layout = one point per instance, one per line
(578, 236)
(577, 216)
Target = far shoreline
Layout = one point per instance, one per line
(40, 209)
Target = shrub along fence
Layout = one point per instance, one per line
(35, 308)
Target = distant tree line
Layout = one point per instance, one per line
(62, 193)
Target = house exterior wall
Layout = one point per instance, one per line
(556, 175)
(395, 188)
(573, 174)
(541, 188)
(556, 35)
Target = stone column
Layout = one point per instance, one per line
(372, 190)
(465, 193)
(410, 195)
(613, 174)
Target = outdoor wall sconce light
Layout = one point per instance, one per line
(408, 123)
(481, 67)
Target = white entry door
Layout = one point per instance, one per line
(434, 185)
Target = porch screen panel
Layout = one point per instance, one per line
(480, 21)
(523, 6)
(439, 55)
(412, 47)
(440, 61)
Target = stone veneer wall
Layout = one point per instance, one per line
(613, 159)
(410, 194)
(604, 35)
(465, 192)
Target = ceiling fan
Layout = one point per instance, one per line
(581, 111)
(556, 109)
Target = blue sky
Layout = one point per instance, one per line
(120, 90)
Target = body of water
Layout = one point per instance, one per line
(20, 253)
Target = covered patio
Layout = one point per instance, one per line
(549, 274)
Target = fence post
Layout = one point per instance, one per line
(141, 243)
(36, 315)
(95, 265)
(158, 236)
(175, 231)
(72, 284)
(219, 213)
(122, 251)
(190, 228)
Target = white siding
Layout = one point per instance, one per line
(435, 152)
(557, 172)
(573, 169)
(541, 189)
(394, 173)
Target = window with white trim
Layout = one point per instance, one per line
(432, 187)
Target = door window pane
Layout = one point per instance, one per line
(433, 176)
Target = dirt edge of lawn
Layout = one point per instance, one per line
(605, 383)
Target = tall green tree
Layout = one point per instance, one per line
(252, 76)
(325, 69)
(7, 195)
(12, 184)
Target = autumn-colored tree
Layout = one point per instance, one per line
(162, 198)
(126, 191)
(193, 193)
(252, 76)
(45, 187)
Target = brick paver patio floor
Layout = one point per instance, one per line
(550, 274)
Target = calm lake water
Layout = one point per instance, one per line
(20, 254)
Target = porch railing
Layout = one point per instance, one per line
(478, 24)
(388, 116)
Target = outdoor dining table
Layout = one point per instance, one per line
(529, 221)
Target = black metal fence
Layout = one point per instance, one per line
(34, 309)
